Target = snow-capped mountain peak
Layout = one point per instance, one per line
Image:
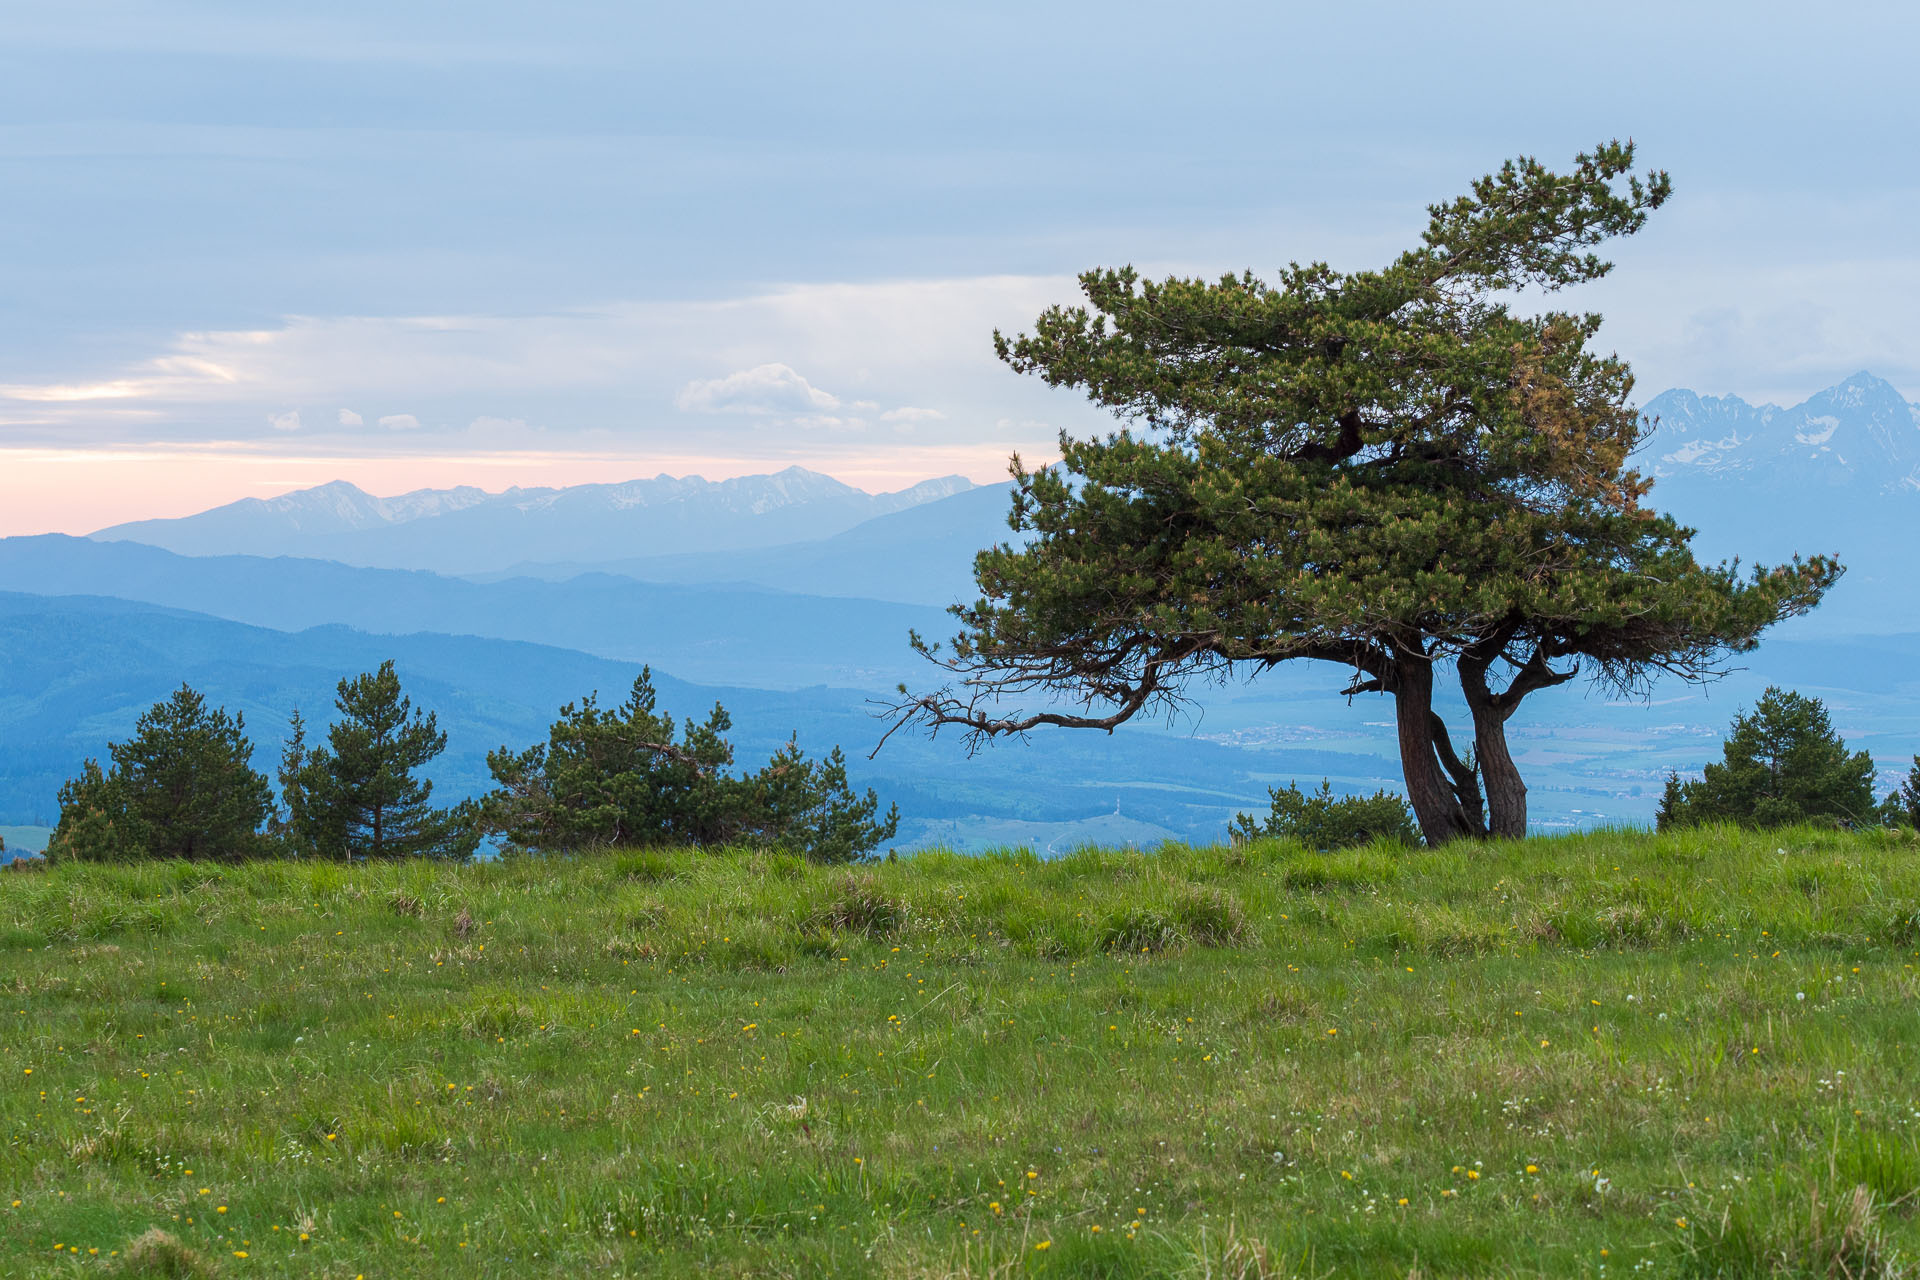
(1859, 432)
(465, 529)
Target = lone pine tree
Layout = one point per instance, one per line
(358, 796)
(1783, 763)
(1390, 470)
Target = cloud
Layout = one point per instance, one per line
(906, 413)
(348, 418)
(183, 374)
(763, 389)
(288, 421)
(400, 422)
(604, 379)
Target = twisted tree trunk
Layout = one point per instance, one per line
(1442, 789)
(1506, 789)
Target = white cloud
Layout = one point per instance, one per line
(616, 377)
(288, 421)
(763, 389)
(348, 418)
(605, 379)
(400, 422)
(906, 413)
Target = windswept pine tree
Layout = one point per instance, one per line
(1391, 470)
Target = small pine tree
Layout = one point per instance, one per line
(1321, 822)
(183, 786)
(357, 796)
(807, 806)
(94, 823)
(1673, 802)
(1783, 764)
(1902, 805)
(617, 776)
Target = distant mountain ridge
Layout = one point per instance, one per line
(717, 634)
(1860, 433)
(1837, 474)
(922, 555)
(468, 530)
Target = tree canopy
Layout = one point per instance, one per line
(1319, 821)
(1783, 764)
(358, 796)
(1389, 469)
(611, 776)
(1905, 800)
(183, 786)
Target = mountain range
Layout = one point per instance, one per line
(922, 555)
(467, 530)
(1837, 474)
(1860, 435)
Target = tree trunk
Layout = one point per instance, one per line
(1506, 789)
(1437, 804)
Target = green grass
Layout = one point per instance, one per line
(1614, 1054)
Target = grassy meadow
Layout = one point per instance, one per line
(1607, 1055)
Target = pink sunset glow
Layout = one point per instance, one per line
(79, 491)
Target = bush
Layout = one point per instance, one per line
(617, 777)
(1784, 765)
(1319, 821)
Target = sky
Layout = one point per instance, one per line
(249, 247)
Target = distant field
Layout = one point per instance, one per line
(24, 839)
(1580, 1056)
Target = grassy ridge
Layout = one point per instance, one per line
(1613, 1054)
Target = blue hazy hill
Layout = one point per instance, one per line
(743, 635)
(922, 555)
(76, 672)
